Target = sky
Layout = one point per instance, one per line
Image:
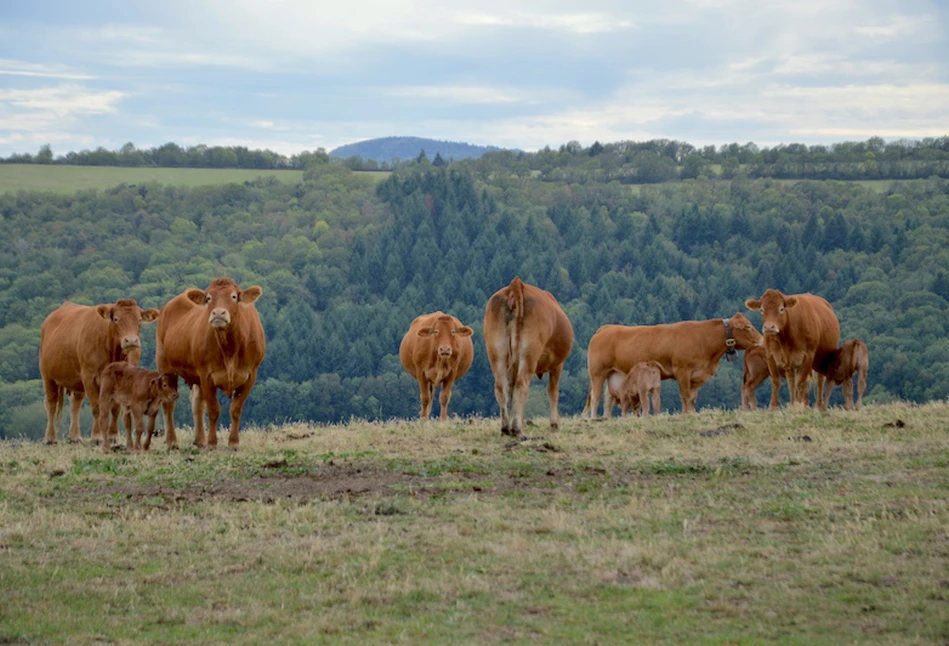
(296, 75)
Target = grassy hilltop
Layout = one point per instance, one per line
(722, 527)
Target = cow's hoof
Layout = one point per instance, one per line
(555, 427)
(50, 442)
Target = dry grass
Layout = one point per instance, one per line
(722, 527)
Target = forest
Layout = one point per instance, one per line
(347, 261)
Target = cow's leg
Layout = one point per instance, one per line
(139, 429)
(861, 387)
(819, 391)
(149, 431)
(847, 387)
(518, 400)
(197, 410)
(75, 405)
(236, 410)
(444, 397)
(656, 401)
(213, 407)
(426, 391)
(596, 389)
(553, 396)
(502, 392)
(54, 403)
(774, 373)
(685, 392)
(105, 410)
(171, 438)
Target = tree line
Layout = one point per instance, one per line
(346, 263)
(628, 162)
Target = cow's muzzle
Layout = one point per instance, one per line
(770, 328)
(130, 343)
(220, 318)
(445, 353)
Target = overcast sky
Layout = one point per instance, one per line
(293, 75)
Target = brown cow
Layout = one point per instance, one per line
(754, 372)
(799, 330)
(437, 350)
(76, 343)
(213, 340)
(525, 333)
(136, 392)
(839, 366)
(642, 384)
(688, 351)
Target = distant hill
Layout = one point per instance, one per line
(385, 148)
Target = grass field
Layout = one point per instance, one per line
(718, 528)
(67, 179)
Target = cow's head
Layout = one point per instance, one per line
(223, 299)
(774, 307)
(744, 333)
(446, 335)
(164, 388)
(126, 318)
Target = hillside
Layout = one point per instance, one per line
(386, 148)
(346, 260)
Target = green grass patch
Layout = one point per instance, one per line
(626, 531)
(68, 179)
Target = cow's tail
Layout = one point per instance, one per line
(59, 402)
(515, 326)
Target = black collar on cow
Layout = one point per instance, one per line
(730, 354)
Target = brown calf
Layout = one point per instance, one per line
(137, 392)
(643, 383)
(852, 357)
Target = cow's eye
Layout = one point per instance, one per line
(115, 319)
(207, 298)
(233, 297)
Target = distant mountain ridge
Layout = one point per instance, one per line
(384, 149)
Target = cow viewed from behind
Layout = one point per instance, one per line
(137, 393)
(688, 351)
(799, 331)
(76, 343)
(526, 333)
(437, 351)
(213, 339)
(642, 384)
(839, 367)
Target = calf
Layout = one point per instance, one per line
(839, 366)
(137, 392)
(643, 383)
(754, 372)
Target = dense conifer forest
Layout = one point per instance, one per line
(347, 261)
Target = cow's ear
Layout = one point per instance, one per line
(753, 304)
(250, 295)
(425, 331)
(464, 331)
(153, 386)
(196, 296)
(105, 311)
(149, 315)
(790, 302)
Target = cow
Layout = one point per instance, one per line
(687, 351)
(799, 331)
(526, 333)
(137, 392)
(642, 384)
(754, 372)
(213, 339)
(76, 343)
(437, 351)
(839, 367)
